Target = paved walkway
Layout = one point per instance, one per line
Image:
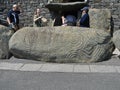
(51, 67)
(55, 67)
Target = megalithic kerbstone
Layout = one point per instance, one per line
(116, 39)
(5, 35)
(61, 44)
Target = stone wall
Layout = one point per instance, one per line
(29, 6)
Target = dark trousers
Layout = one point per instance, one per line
(14, 27)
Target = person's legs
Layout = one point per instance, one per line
(16, 27)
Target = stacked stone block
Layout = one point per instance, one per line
(113, 5)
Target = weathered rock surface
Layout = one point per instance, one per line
(61, 44)
(66, 6)
(5, 35)
(116, 39)
(101, 19)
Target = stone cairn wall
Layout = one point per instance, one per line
(29, 6)
(28, 9)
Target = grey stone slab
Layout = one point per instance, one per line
(102, 69)
(57, 68)
(11, 66)
(117, 68)
(61, 49)
(31, 67)
(81, 68)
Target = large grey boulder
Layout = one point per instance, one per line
(5, 35)
(61, 44)
(116, 39)
(101, 19)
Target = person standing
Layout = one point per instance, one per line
(69, 20)
(13, 17)
(58, 19)
(84, 21)
(38, 20)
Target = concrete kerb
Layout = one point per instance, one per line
(52, 67)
